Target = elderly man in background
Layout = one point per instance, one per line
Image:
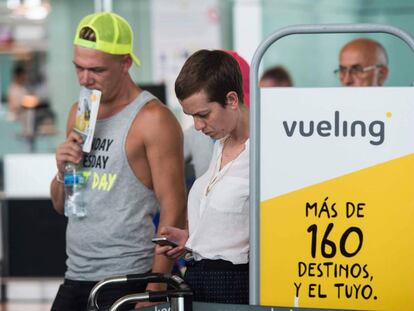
(362, 62)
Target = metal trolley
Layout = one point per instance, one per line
(180, 297)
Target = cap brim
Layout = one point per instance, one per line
(135, 59)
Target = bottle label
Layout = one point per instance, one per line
(74, 179)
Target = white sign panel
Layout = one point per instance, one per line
(28, 175)
(355, 124)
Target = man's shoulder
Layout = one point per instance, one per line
(155, 113)
(154, 124)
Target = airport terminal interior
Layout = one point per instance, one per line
(36, 57)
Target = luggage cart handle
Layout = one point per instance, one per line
(93, 295)
(172, 280)
(129, 299)
(181, 300)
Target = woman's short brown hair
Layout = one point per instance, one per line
(215, 72)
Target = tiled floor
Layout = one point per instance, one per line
(23, 306)
(24, 294)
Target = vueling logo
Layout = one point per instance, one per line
(325, 128)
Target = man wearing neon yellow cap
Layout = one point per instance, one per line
(134, 167)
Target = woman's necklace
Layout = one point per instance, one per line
(216, 178)
(224, 170)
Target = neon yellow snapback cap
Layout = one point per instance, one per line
(113, 34)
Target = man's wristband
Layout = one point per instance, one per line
(59, 179)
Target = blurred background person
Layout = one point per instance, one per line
(275, 76)
(45, 116)
(362, 62)
(16, 92)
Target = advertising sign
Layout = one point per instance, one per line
(337, 198)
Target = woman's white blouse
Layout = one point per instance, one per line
(218, 219)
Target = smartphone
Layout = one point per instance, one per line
(164, 241)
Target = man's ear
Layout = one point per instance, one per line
(382, 75)
(232, 99)
(126, 63)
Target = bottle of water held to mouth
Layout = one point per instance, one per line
(74, 181)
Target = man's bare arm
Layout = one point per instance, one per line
(164, 148)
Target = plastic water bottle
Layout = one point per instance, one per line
(74, 195)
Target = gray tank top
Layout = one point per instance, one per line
(115, 236)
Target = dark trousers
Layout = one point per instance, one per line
(73, 295)
(218, 281)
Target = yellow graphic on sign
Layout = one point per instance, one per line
(346, 243)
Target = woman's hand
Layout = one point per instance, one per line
(179, 236)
